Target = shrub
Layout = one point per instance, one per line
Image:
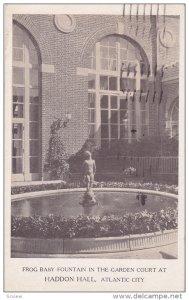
(159, 146)
(83, 226)
(37, 187)
(56, 161)
(129, 172)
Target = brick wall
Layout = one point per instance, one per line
(64, 90)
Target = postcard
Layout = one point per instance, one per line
(94, 148)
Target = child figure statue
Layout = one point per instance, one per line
(88, 170)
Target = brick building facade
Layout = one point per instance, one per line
(91, 72)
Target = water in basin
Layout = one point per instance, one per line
(67, 204)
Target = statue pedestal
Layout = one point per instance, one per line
(88, 199)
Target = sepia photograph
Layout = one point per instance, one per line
(94, 120)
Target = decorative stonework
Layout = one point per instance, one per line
(65, 23)
(166, 38)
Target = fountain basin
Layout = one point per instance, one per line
(155, 201)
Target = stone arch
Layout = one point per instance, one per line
(100, 34)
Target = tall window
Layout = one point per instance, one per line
(117, 86)
(174, 120)
(25, 108)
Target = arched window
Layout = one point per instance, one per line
(174, 120)
(117, 90)
(25, 107)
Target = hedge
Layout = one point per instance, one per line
(84, 226)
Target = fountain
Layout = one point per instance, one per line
(88, 169)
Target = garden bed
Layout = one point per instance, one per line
(88, 226)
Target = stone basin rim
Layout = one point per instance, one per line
(36, 194)
(93, 245)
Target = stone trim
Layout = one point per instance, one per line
(93, 245)
(18, 197)
(46, 68)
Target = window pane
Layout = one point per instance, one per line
(34, 148)
(17, 165)
(144, 130)
(123, 54)
(143, 85)
(91, 131)
(113, 101)
(17, 131)
(31, 45)
(124, 86)
(175, 114)
(104, 116)
(143, 117)
(113, 83)
(123, 43)
(90, 62)
(133, 117)
(18, 110)
(34, 77)
(91, 81)
(34, 96)
(18, 94)
(34, 164)
(104, 101)
(17, 54)
(143, 103)
(104, 64)
(103, 52)
(104, 131)
(175, 130)
(105, 41)
(114, 118)
(112, 53)
(123, 103)
(18, 75)
(112, 40)
(132, 103)
(18, 39)
(34, 112)
(123, 131)
(112, 65)
(133, 131)
(91, 116)
(123, 116)
(34, 132)
(104, 82)
(114, 131)
(17, 148)
(131, 53)
(33, 57)
(127, 84)
(132, 84)
(91, 100)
